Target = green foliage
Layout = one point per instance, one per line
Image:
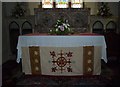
(61, 28)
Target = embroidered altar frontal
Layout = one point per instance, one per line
(61, 61)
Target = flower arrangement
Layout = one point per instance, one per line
(61, 28)
(18, 11)
(104, 10)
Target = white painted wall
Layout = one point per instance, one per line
(92, 6)
(31, 6)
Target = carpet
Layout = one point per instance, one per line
(46, 81)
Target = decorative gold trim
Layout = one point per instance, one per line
(35, 66)
(88, 60)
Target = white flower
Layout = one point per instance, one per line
(66, 20)
(65, 25)
(59, 26)
(58, 20)
(68, 25)
(50, 30)
(56, 25)
(56, 30)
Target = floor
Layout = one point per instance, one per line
(13, 77)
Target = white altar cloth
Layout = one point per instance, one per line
(61, 41)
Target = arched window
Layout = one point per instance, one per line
(62, 3)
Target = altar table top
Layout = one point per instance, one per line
(44, 40)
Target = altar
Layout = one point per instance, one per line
(61, 55)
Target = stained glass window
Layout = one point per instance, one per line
(76, 3)
(62, 3)
(47, 3)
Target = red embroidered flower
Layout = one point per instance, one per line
(53, 54)
(69, 54)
